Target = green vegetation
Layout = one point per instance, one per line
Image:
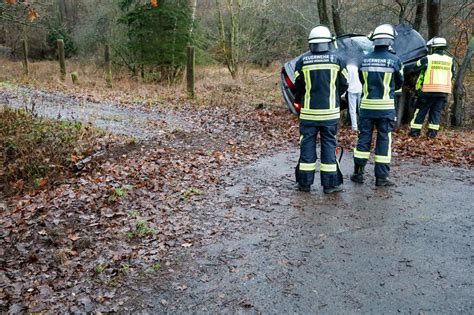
(100, 269)
(142, 228)
(191, 192)
(157, 38)
(37, 151)
(125, 268)
(119, 192)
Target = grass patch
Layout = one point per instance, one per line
(38, 152)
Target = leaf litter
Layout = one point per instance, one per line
(73, 246)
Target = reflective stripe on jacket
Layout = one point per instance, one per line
(437, 76)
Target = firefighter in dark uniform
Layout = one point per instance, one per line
(321, 78)
(433, 87)
(381, 74)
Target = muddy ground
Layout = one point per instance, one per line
(404, 249)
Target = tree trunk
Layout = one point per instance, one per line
(457, 114)
(401, 14)
(323, 13)
(192, 5)
(433, 17)
(336, 17)
(401, 105)
(62, 11)
(231, 50)
(420, 9)
(234, 37)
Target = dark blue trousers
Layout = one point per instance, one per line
(383, 146)
(432, 103)
(307, 164)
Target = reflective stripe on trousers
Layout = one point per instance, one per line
(383, 146)
(307, 162)
(432, 105)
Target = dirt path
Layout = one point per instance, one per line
(108, 115)
(408, 249)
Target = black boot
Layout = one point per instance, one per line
(432, 133)
(305, 188)
(333, 189)
(415, 133)
(358, 176)
(383, 182)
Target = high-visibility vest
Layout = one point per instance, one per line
(437, 76)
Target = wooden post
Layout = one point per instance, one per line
(62, 62)
(190, 71)
(25, 57)
(108, 66)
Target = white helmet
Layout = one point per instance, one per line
(320, 34)
(437, 42)
(383, 35)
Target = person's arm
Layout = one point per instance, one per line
(421, 64)
(399, 75)
(299, 81)
(343, 77)
(361, 78)
(453, 70)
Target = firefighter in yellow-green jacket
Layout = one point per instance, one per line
(433, 87)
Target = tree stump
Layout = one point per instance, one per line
(75, 78)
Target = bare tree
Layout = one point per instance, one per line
(433, 17)
(403, 4)
(336, 17)
(230, 45)
(420, 9)
(192, 6)
(323, 13)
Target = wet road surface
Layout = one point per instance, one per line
(405, 249)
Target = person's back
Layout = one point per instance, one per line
(320, 79)
(381, 74)
(433, 86)
(319, 86)
(437, 71)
